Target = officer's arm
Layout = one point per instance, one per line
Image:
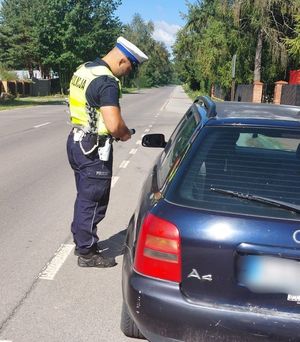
(115, 123)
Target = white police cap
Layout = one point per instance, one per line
(132, 52)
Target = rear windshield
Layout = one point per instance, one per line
(253, 161)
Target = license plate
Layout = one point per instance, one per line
(266, 274)
(292, 298)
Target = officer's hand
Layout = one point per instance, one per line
(125, 137)
(130, 133)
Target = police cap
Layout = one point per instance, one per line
(132, 52)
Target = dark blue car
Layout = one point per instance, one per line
(213, 249)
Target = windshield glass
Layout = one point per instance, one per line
(257, 161)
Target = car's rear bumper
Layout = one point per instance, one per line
(163, 314)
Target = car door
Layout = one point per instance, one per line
(177, 146)
(163, 170)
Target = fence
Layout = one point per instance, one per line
(279, 93)
(290, 95)
(40, 87)
(219, 92)
(35, 87)
(244, 93)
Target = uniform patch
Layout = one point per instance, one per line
(78, 82)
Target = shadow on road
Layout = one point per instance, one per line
(113, 246)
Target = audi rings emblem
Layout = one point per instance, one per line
(296, 236)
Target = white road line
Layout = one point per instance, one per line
(150, 126)
(41, 125)
(133, 151)
(147, 130)
(5, 341)
(57, 261)
(114, 181)
(164, 105)
(139, 142)
(124, 164)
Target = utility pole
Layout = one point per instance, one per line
(233, 63)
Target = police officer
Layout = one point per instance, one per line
(96, 117)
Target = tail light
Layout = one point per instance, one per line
(158, 251)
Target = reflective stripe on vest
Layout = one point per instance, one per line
(81, 113)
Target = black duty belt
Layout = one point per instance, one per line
(95, 138)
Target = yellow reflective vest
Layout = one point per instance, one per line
(82, 114)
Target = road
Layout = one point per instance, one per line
(44, 295)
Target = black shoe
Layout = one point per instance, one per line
(96, 260)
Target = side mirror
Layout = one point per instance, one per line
(154, 140)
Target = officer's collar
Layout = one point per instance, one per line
(101, 62)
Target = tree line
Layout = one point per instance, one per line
(59, 35)
(264, 35)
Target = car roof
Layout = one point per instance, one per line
(231, 112)
(250, 110)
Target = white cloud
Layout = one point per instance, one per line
(165, 32)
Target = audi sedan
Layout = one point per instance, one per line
(213, 248)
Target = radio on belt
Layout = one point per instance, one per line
(104, 151)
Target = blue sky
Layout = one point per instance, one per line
(165, 14)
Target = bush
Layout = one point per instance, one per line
(193, 93)
(7, 75)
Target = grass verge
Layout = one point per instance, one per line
(44, 100)
(129, 90)
(32, 101)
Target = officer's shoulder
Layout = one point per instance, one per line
(101, 83)
(105, 80)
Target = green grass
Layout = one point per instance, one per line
(44, 100)
(129, 90)
(32, 101)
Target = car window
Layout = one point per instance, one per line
(267, 142)
(176, 145)
(257, 161)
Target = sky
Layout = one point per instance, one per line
(165, 14)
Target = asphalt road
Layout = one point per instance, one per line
(44, 295)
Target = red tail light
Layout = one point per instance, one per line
(158, 251)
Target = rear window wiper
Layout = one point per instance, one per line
(280, 204)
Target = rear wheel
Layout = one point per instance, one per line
(128, 326)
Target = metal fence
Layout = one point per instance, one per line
(244, 93)
(290, 95)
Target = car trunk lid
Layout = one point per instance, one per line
(225, 258)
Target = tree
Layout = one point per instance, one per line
(255, 31)
(19, 46)
(293, 44)
(56, 34)
(270, 21)
(158, 70)
(71, 32)
(204, 47)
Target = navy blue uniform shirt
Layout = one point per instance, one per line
(103, 90)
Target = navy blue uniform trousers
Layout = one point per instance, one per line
(93, 180)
